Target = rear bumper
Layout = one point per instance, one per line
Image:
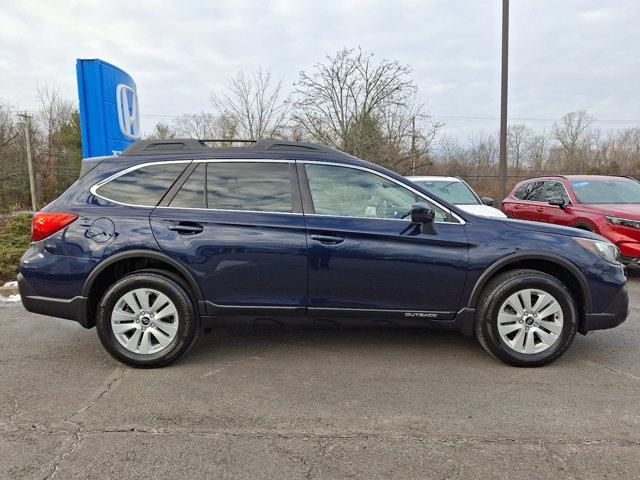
(69, 308)
(614, 315)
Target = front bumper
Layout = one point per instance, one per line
(69, 308)
(614, 315)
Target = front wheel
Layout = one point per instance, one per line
(146, 320)
(526, 318)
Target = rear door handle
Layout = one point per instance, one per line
(540, 209)
(187, 228)
(327, 239)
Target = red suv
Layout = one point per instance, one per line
(609, 206)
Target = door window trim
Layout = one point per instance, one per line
(307, 191)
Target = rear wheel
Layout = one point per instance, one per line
(146, 320)
(526, 318)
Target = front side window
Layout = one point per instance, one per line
(254, 186)
(143, 186)
(349, 192)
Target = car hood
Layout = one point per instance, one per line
(630, 211)
(552, 229)
(482, 210)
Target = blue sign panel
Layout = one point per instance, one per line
(109, 116)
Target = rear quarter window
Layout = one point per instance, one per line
(520, 191)
(144, 186)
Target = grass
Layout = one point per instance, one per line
(15, 236)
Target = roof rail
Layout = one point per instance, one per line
(174, 146)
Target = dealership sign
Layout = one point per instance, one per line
(109, 114)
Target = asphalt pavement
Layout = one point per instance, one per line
(296, 403)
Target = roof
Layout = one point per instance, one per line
(180, 146)
(578, 178)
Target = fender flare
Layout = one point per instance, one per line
(152, 254)
(516, 257)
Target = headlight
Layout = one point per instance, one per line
(603, 249)
(623, 221)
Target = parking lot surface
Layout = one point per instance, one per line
(295, 403)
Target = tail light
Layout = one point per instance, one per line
(45, 224)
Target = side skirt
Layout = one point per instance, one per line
(461, 321)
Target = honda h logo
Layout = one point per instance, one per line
(127, 104)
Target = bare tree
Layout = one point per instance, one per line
(254, 104)
(54, 113)
(575, 136)
(363, 107)
(52, 158)
(538, 151)
(518, 144)
(161, 131)
(204, 125)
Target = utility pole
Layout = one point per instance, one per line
(32, 179)
(503, 99)
(413, 145)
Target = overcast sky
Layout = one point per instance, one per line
(564, 54)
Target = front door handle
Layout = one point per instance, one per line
(540, 209)
(327, 239)
(187, 228)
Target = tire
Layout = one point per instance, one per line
(525, 344)
(146, 320)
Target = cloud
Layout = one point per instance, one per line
(564, 55)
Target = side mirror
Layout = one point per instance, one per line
(488, 201)
(557, 201)
(424, 216)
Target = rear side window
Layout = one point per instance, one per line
(143, 186)
(556, 189)
(191, 194)
(532, 191)
(254, 186)
(259, 186)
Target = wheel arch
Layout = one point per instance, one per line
(129, 261)
(546, 262)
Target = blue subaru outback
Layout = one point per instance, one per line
(175, 235)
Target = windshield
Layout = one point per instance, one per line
(453, 191)
(607, 191)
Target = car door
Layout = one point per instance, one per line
(238, 228)
(364, 257)
(553, 213)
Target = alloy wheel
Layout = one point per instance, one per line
(144, 321)
(530, 321)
